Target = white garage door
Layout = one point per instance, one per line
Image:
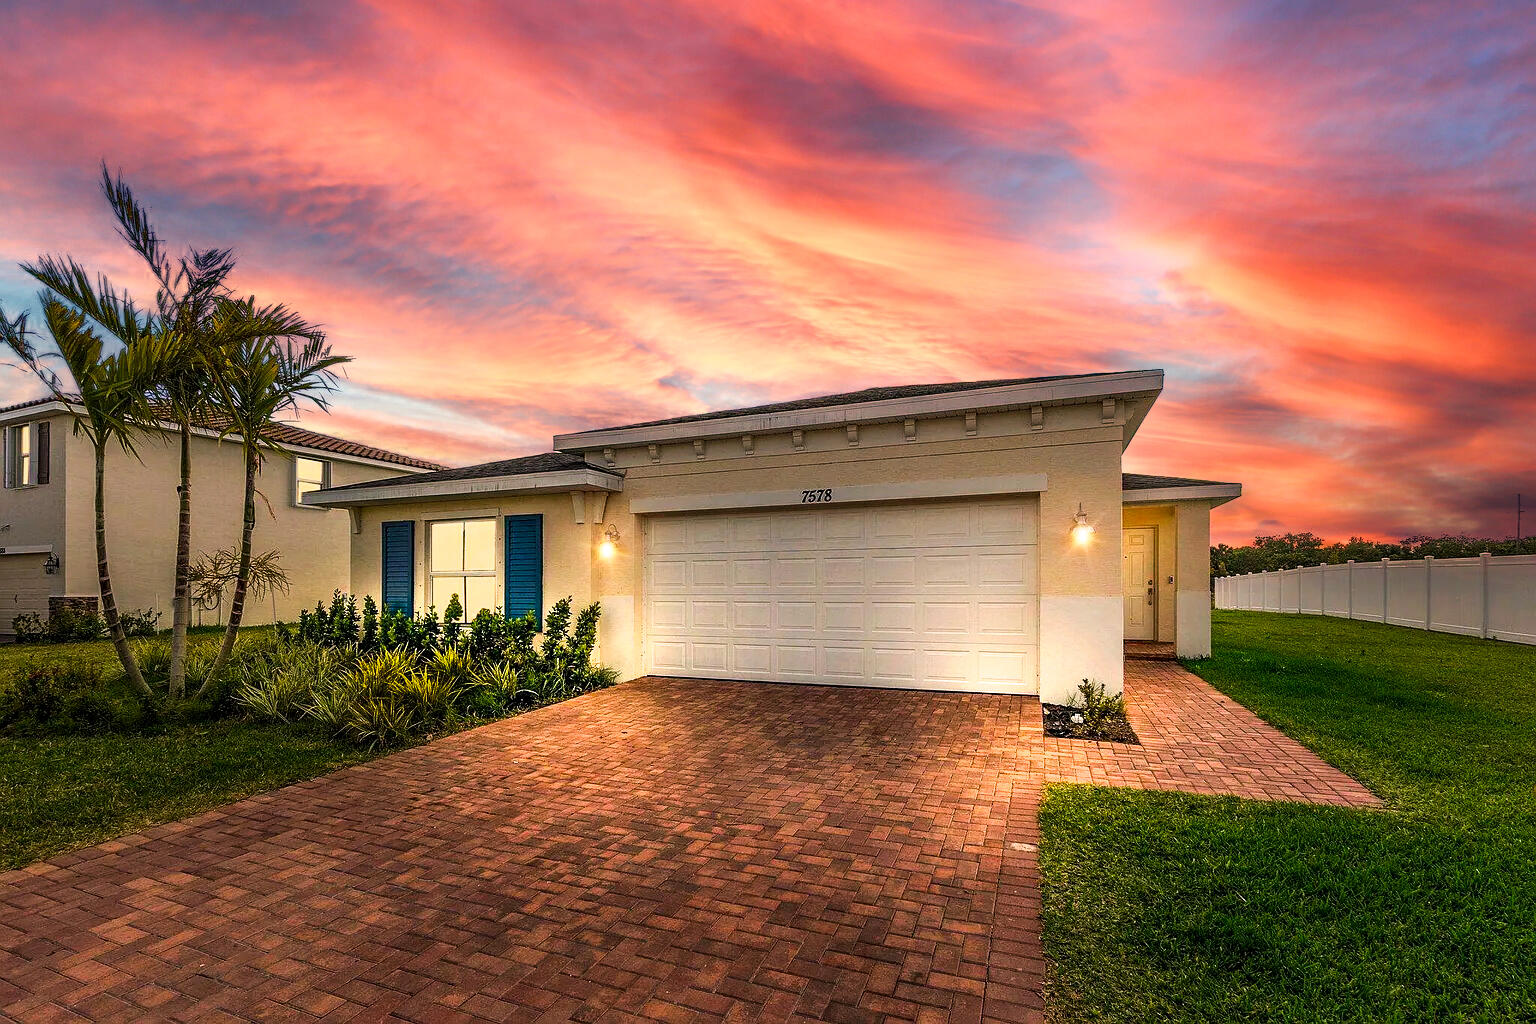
(24, 589)
(931, 595)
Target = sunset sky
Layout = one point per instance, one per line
(525, 218)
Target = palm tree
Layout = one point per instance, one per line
(259, 380)
(186, 300)
(110, 391)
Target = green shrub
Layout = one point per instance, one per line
(153, 655)
(428, 695)
(380, 672)
(278, 698)
(140, 623)
(40, 691)
(1099, 709)
(29, 628)
(380, 721)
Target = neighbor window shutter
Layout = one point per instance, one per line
(400, 566)
(524, 567)
(42, 452)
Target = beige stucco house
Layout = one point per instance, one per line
(47, 513)
(965, 536)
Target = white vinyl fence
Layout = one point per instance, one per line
(1484, 596)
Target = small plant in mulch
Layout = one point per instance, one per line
(1092, 715)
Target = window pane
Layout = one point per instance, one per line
(24, 440)
(310, 470)
(304, 487)
(443, 589)
(447, 547)
(480, 545)
(480, 593)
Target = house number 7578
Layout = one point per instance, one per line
(811, 497)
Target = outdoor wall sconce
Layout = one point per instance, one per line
(1082, 529)
(610, 542)
(51, 564)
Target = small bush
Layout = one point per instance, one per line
(140, 623)
(428, 695)
(277, 698)
(1098, 708)
(29, 628)
(40, 692)
(380, 721)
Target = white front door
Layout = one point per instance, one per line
(935, 595)
(1138, 577)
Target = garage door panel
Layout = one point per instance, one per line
(794, 572)
(893, 571)
(843, 615)
(797, 661)
(709, 614)
(752, 659)
(921, 595)
(752, 572)
(797, 615)
(893, 617)
(947, 570)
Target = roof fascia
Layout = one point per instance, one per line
(1216, 494)
(1009, 396)
(429, 490)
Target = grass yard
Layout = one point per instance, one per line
(1166, 907)
(62, 792)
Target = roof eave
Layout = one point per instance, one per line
(1216, 494)
(55, 407)
(1130, 383)
(590, 479)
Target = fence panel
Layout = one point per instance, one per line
(1486, 596)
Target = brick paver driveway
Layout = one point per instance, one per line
(663, 850)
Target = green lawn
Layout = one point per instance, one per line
(62, 792)
(1163, 906)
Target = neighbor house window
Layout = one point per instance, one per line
(309, 475)
(26, 454)
(462, 560)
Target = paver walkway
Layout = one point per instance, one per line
(1196, 739)
(665, 850)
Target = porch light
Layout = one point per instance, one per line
(1082, 529)
(610, 542)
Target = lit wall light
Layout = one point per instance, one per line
(1082, 529)
(610, 542)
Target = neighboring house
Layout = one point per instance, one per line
(923, 537)
(47, 513)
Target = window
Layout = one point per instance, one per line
(462, 561)
(309, 475)
(26, 454)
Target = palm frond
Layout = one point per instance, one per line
(114, 312)
(134, 227)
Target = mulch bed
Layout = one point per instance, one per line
(1058, 722)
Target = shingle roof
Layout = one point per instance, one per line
(546, 462)
(1147, 482)
(292, 434)
(856, 397)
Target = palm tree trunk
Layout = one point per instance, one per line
(104, 577)
(243, 574)
(181, 603)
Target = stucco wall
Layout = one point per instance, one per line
(142, 515)
(30, 516)
(1081, 614)
(568, 548)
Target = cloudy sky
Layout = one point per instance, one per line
(526, 218)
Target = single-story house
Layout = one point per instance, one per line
(961, 536)
(48, 521)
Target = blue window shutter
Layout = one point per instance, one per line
(524, 566)
(400, 566)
